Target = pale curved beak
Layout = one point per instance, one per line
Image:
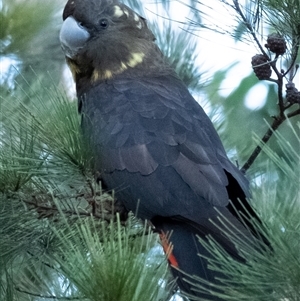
(73, 37)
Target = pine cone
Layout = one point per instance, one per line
(292, 94)
(261, 66)
(276, 43)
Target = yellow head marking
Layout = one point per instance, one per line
(74, 68)
(118, 12)
(108, 74)
(95, 76)
(136, 58)
(126, 12)
(123, 67)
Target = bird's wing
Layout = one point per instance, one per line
(154, 126)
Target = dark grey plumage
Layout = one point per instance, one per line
(153, 143)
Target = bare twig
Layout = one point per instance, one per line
(276, 123)
(295, 50)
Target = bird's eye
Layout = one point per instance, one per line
(103, 23)
(80, 24)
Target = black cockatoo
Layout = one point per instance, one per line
(153, 143)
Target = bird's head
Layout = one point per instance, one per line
(103, 38)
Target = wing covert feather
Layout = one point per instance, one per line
(155, 122)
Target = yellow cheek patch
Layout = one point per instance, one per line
(108, 74)
(136, 58)
(118, 12)
(95, 76)
(74, 69)
(123, 67)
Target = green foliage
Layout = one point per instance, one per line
(21, 21)
(18, 235)
(23, 240)
(112, 264)
(40, 141)
(268, 273)
(79, 258)
(28, 37)
(283, 14)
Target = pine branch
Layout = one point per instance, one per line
(97, 211)
(276, 123)
(51, 297)
(283, 19)
(260, 72)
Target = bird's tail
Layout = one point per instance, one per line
(182, 247)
